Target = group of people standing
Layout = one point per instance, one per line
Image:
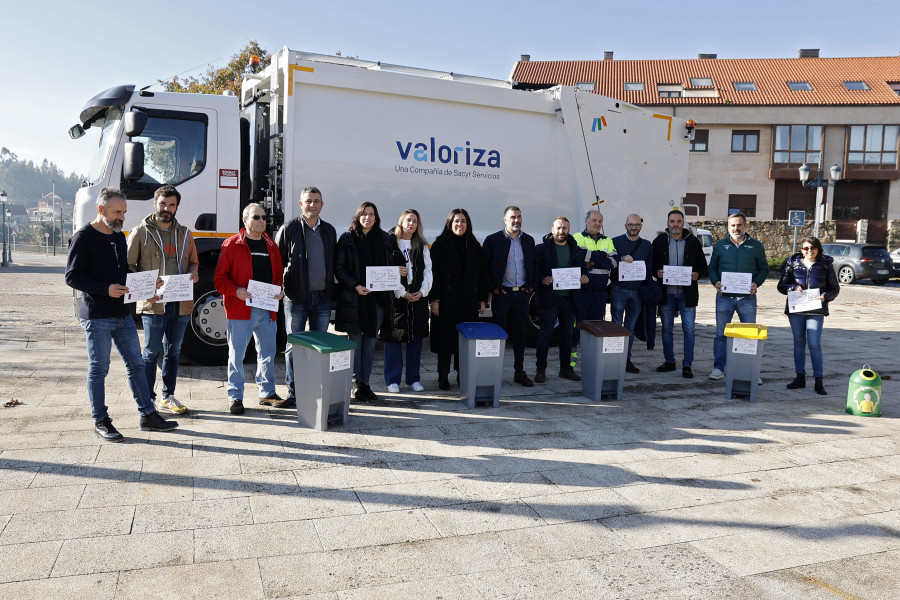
(443, 285)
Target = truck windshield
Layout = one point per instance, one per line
(107, 135)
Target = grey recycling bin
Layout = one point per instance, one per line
(323, 368)
(743, 359)
(481, 351)
(604, 355)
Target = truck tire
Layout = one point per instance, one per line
(205, 341)
(534, 325)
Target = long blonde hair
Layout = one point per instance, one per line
(418, 238)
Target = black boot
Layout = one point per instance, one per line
(820, 386)
(154, 422)
(105, 431)
(798, 382)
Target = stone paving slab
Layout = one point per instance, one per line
(672, 492)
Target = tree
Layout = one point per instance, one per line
(217, 80)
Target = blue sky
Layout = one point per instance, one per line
(55, 59)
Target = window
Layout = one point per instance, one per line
(742, 203)
(873, 146)
(744, 86)
(744, 141)
(701, 81)
(697, 199)
(799, 86)
(669, 90)
(585, 86)
(700, 143)
(174, 148)
(634, 86)
(895, 85)
(796, 144)
(856, 85)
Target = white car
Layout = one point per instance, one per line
(895, 256)
(707, 241)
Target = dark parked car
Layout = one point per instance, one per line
(860, 261)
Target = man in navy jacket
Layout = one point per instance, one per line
(509, 277)
(97, 266)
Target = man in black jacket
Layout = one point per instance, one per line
(677, 247)
(97, 266)
(509, 276)
(559, 250)
(307, 252)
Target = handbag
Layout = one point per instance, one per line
(651, 292)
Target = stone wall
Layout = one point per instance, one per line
(893, 234)
(777, 237)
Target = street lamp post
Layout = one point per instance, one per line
(821, 184)
(3, 198)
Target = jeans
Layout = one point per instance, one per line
(101, 334)
(365, 351)
(316, 310)
(393, 362)
(562, 308)
(688, 316)
(513, 307)
(262, 328)
(725, 309)
(807, 329)
(164, 333)
(625, 306)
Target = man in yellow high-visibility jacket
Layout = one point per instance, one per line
(600, 259)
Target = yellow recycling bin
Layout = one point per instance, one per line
(743, 358)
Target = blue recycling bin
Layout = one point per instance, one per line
(481, 351)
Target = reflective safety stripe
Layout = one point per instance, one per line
(604, 243)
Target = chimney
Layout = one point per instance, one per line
(707, 56)
(809, 53)
(525, 58)
(608, 55)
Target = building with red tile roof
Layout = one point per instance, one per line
(759, 120)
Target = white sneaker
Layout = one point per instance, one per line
(418, 387)
(170, 405)
(716, 374)
(394, 388)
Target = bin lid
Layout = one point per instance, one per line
(751, 331)
(321, 341)
(604, 329)
(481, 331)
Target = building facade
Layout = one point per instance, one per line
(759, 120)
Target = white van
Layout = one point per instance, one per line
(707, 241)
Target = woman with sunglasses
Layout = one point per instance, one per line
(808, 269)
(408, 319)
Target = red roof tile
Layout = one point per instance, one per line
(826, 75)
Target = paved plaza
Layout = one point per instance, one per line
(672, 493)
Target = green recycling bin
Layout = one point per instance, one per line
(323, 369)
(743, 358)
(864, 393)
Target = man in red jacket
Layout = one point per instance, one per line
(250, 256)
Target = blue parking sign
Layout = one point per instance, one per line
(797, 217)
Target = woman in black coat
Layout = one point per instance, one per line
(456, 265)
(809, 269)
(360, 312)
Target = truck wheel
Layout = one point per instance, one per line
(846, 274)
(205, 341)
(534, 325)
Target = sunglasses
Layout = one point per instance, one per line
(258, 217)
(807, 248)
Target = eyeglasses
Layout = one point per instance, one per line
(632, 224)
(807, 248)
(258, 217)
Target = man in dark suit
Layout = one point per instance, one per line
(509, 276)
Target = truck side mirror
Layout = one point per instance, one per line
(133, 162)
(76, 131)
(135, 121)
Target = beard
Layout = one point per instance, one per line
(561, 238)
(116, 224)
(164, 217)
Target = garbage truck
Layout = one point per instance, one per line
(401, 137)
